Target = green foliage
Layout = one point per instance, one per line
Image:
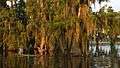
(102, 1)
(109, 20)
(45, 17)
(3, 3)
(20, 12)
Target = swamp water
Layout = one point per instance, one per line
(14, 60)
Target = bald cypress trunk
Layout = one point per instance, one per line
(83, 14)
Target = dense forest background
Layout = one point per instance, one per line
(65, 25)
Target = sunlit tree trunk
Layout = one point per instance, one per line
(83, 14)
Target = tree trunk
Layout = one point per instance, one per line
(83, 14)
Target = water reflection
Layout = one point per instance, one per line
(58, 61)
(30, 61)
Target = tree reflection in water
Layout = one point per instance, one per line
(1, 62)
(67, 58)
(57, 61)
(84, 63)
(30, 61)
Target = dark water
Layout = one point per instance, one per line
(67, 61)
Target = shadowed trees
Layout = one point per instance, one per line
(107, 23)
(3, 3)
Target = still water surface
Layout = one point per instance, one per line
(29, 61)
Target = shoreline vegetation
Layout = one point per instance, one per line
(56, 25)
